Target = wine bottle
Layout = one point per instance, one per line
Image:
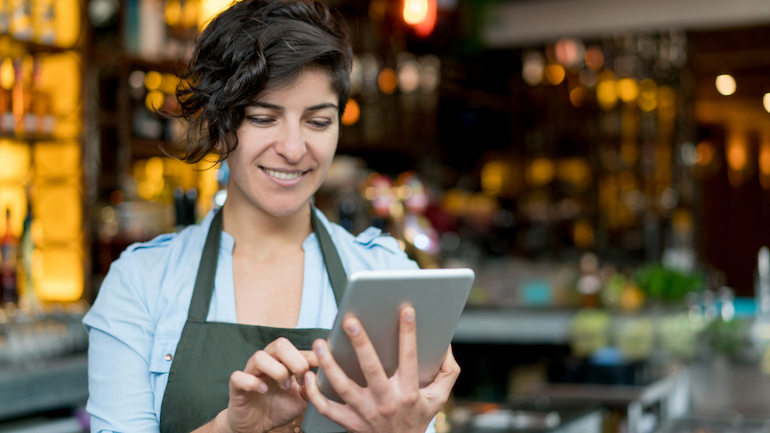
(21, 19)
(41, 105)
(24, 119)
(8, 248)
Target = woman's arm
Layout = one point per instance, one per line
(120, 335)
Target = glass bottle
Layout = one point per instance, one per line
(8, 248)
(41, 106)
(21, 19)
(24, 120)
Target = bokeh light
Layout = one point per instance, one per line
(387, 80)
(415, 11)
(352, 113)
(594, 58)
(555, 74)
(766, 102)
(726, 84)
(532, 68)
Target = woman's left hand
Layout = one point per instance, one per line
(395, 404)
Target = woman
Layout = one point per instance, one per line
(211, 329)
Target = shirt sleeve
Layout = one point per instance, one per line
(120, 335)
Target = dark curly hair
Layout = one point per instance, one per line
(252, 46)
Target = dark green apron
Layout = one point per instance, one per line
(209, 352)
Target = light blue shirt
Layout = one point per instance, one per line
(137, 319)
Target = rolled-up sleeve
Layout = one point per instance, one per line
(120, 334)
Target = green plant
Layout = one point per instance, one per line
(664, 284)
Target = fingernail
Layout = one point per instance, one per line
(318, 348)
(308, 378)
(287, 384)
(352, 328)
(410, 315)
(263, 388)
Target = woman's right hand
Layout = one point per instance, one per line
(266, 395)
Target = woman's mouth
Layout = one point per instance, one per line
(283, 175)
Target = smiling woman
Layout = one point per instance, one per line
(211, 329)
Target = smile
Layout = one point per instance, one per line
(282, 175)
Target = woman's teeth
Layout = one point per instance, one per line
(282, 175)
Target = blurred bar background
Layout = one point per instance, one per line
(603, 166)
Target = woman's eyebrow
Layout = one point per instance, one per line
(270, 106)
(322, 106)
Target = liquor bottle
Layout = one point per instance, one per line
(6, 101)
(43, 21)
(41, 105)
(24, 119)
(5, 17)
(21, 19)
(8, 248)
(25, 283)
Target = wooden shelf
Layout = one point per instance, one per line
(142, 148)
(30, 138)
(7, 41)
(168, 66)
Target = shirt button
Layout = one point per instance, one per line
(169, 357)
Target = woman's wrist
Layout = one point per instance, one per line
(220, 423)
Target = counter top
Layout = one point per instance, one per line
(514, 326)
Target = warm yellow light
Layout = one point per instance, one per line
(67, 22)
(14, 163)
(7, 74)
(153, 80)
(737, 153)
(705, 153)
(766, 102)
(415, 11)
(59, 275)
(59, 159)
(387, 80)
(577, 96)
(583, 234)
(209, 9)
(59, 209)
(168, 83)
(154, 100)
(352, 113)
(173, 12)
(648, 95)
(492, 177)
(555, 74)
(606, 94)
(13, 199)
(540, 172)
(764, 158)
(726, 84)
(627, 89)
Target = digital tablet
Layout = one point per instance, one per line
(376, 298)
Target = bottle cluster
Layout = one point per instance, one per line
(29, 20)
(26, 108)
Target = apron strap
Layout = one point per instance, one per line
(204, 282)
(207, 270)
(334, 268)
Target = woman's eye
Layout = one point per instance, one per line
(261, 120)
(320, 123)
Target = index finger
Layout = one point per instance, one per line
(310, 357)
(407, 348)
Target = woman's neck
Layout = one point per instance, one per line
(262, 235)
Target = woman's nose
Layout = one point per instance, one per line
(292, 144)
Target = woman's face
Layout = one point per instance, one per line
(285, 145)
